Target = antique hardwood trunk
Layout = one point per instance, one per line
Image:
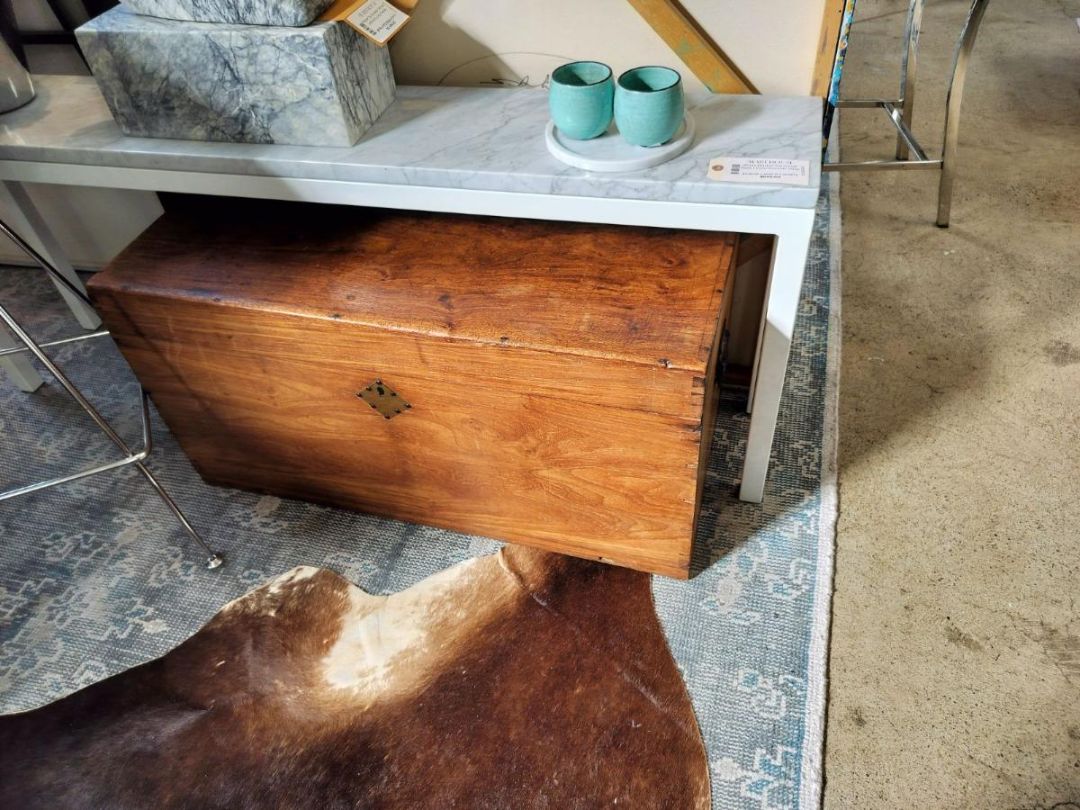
(543, 383)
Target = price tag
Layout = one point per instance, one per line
(377, 20)
(775, 171)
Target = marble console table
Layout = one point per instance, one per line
(467, 150)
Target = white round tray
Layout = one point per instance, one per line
(610, 153)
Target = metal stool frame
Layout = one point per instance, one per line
(900, 110)
(213, 559)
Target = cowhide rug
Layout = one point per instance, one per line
(519, 680)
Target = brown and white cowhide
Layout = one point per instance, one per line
(519, 680)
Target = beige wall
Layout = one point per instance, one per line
(473, 41)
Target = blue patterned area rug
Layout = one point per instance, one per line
(95, 576)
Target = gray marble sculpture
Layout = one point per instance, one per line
(244, 12)
(322, 85)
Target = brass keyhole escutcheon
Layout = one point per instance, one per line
(384, 399)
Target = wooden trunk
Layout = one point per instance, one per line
(559, 376)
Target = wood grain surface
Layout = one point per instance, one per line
(558, 373)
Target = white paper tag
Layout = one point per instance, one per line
(782, 171)
(378, 20)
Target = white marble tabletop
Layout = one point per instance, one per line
(488, 139)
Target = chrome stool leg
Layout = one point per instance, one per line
(213, 559)
(910, 154)
(908, 70)
(952, 109)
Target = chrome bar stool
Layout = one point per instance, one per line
(213, 559)
(909, 153)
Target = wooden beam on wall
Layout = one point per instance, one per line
(693, 46)
(831, 18)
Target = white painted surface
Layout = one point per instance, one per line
(744, 323)
(465, 42)
(18, 366)
(468, 42)
(777, 328)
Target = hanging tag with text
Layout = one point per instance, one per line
(378, 20)
(780, 171)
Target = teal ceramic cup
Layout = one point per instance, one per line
(581, 98)
(649, 105)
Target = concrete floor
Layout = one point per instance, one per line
(955, 661)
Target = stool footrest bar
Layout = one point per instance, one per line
(51, 343)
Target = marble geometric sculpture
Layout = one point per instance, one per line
(320, 85)
(243, 12)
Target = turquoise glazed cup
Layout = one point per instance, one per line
(581, 99)
(649, 105)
